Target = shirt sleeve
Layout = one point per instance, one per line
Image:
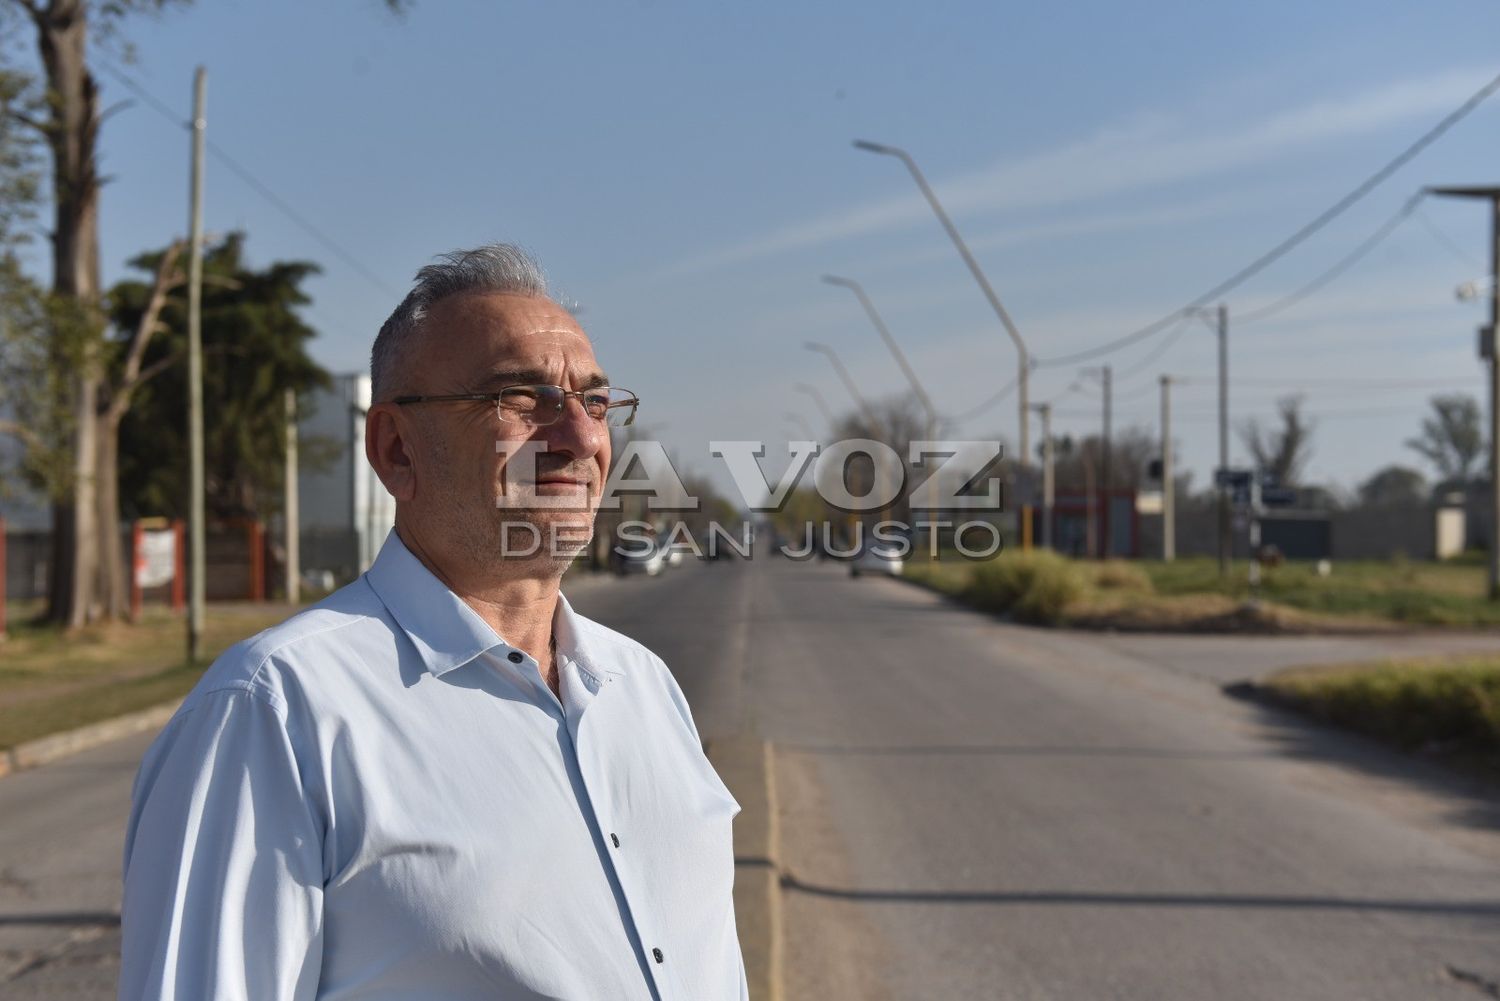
(223, 861)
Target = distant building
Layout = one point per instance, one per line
(344, 509)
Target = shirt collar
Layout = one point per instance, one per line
(569, 628)
(446, 632)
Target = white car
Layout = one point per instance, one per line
(877, 559)
(649, 560)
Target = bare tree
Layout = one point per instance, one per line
(1452, 438)
(1284, 451)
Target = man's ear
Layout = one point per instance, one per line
(388, 449)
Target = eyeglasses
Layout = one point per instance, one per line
(538, 406)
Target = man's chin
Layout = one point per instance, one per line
(547, 539)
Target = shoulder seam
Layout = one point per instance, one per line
(253, 683)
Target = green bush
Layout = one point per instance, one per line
(1411, 704)
(1035, 587)
(1118, 575)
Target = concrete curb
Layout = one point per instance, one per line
(746, 766)
(32, 753)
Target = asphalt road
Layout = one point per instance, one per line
(971, 810)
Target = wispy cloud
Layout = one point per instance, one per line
(1141, 153)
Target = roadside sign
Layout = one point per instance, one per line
(1278, 496)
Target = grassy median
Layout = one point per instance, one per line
(1448, 706)
(51, 681)
(1189, 594)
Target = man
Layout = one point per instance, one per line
(441, 782)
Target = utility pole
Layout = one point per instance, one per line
(293, 520)
(1104, 473)
(1168, 499)
(196, 535)
(1487, 352)
(1048, 490)
(1105, 374)
(1224, 539)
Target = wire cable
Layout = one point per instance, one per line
(1447, 242)
(1368, 244)
(255, 184)
(1285, 246)
(1160, 349)
(999, 395)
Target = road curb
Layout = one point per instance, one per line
(33, 753)
(746, 766)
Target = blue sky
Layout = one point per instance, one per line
(684, 171)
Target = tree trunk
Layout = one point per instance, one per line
(112, 581)
(73, 128)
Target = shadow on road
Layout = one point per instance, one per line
(92, 919)
(1002, 750)
(1479, 908)
(1301, 737)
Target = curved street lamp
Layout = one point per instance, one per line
(984, 284)
(890, 342)
(817, 398)
(838, 367)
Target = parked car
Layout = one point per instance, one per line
(877, 558)
(649, 560)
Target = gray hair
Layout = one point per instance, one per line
(494, 267)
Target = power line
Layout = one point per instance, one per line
(1281, 249)
(1376, 382)
(1211, 417)
(1447, 241)
(1369, 244)
(255, 184)
(1157, 351)
(999, 395)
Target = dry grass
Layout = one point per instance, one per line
(52, 681)
(1449, 706)
(1186, 596)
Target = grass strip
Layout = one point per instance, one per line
(1188, 594)
(91, 704)
(1448, 706)
(52, 680)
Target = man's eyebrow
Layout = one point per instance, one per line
(532, 377)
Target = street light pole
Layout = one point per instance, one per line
(801, 423)
(984, 284)
(817, 398)
(1487, 351)
(890, 342)
(838, 367)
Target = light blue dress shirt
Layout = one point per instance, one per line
(381, 799)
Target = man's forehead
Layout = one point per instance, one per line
(477, 331)
(499, 313)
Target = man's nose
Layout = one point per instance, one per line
(575, 432)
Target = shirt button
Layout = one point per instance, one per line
(516, 656)
(615, 838)
(656, 955)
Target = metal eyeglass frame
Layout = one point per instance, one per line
(496, 397)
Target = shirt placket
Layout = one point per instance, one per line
(618, 843)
